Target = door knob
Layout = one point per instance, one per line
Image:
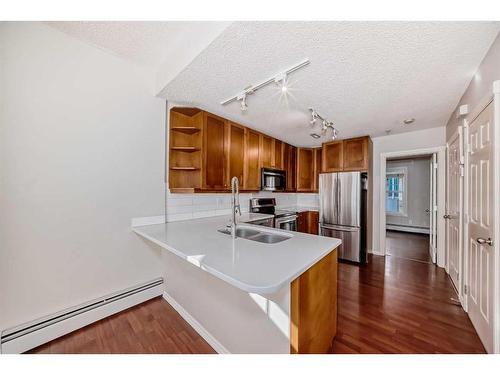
(482, 241)
(446, 216)
(427, 210)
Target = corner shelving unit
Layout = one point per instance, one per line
(185, 157)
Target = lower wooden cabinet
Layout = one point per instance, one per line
(313, 308)
(308, 222)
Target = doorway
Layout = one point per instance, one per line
(436, 189)
(410, 198)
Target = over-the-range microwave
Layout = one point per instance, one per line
(273, 179)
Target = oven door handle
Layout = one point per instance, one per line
(286, 220)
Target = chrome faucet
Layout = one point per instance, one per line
(235, 204)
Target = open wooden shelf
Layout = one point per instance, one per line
(185, 148)
(186, 129)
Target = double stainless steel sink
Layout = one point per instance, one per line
(256, 235)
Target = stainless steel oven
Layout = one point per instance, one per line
(286, 222)
(283, 219)
(273, 179)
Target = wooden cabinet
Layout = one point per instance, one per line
(333, 156)
(356, 154)
(308, 222)
(206, 151)
(236, 153)
(252, 167)
(313, 307)
(346, 155)
(305, 169)
(278, 154)
(313, 222)
(214, 146)
(185, 145)
(302, 222)
(289, 165)
(318, 159)
(266, 151)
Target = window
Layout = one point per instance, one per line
(395, 192)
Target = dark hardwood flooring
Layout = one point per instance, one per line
(151, 327)
(396, 305)
(414, 246)
(390, 305)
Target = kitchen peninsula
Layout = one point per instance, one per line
(246, 296)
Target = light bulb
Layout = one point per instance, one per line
(243, 104)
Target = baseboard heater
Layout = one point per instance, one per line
(30, 335)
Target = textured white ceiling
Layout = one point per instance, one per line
(164, 47)
(366, 77)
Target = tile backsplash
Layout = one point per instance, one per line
(192, 206)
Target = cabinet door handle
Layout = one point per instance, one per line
(446, 216)
(483, 241)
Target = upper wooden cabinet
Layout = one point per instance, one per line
(356, 154)
(236, 153)
(185, 151)
(318, 161)
(214, 146)
(266, 151)
(206, 151)
(333, 156)
(251, 179)
(346, 155)
(305, 169)
(278, 154)
(289, 165)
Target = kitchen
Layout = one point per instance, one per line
(202, 213)
(199, 143)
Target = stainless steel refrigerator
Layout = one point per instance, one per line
(342, 211)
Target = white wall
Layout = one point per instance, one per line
(81, 153)
(480, 85)
(433, 137)
(418, 192)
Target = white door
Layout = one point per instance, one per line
(454, 208)
(433, 209)
(480, 297)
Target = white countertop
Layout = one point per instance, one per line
(299, 208)
(252, 266)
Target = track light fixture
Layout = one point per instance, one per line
(280, 79)
(325, 125)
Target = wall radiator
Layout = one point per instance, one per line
(30, 335)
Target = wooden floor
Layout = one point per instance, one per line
(396, 305)
(152, 327)
(413, 246)
(391, 305)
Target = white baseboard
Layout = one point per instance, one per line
(403, 228)
(52, 331)
(212, 341)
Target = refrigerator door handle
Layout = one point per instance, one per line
(340, 228)
(338, 198)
